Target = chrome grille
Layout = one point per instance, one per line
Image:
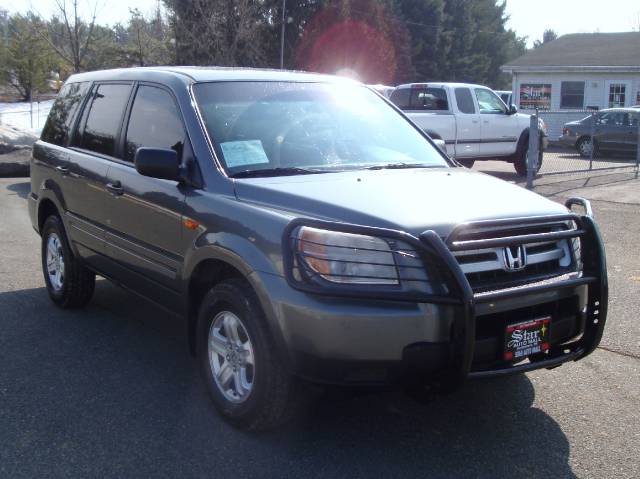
(488, 268)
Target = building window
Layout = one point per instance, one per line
(572, 94)
(617, 95)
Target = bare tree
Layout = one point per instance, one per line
(218, 31)
(69, 35)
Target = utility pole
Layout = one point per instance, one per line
(284, 7)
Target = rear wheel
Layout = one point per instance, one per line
(585, 147)
(69, 283)
(522, 155)
(467, 163)
(246, 378)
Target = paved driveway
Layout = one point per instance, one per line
(112, 392)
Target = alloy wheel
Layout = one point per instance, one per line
(55, 262)
(231, 357)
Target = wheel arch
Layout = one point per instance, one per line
(213, 269)
(46, 208)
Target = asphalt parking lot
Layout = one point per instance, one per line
(111, 391)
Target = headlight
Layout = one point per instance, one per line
(345, 257)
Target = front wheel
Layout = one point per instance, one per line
(69, 283)
(467, 163)
(245, 376)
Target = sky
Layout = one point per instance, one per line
(527, 17)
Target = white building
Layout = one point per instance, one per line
(578, 72)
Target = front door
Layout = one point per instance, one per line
(500, 131)
(612, 131)
(145, 214)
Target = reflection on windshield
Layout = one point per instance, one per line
(284, 126)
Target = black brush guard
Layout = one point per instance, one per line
(438, 255)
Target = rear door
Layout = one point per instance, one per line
(467, 144)
(145, 214)
(90, 155)
(500, 131)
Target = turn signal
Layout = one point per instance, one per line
(190, 224)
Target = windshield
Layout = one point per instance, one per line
(289, 128)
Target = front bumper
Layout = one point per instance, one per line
(349, 338)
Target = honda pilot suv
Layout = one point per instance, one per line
(306, 231)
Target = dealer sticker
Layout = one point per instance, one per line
(529, 337)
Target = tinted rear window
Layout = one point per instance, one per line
(60, 119)
(104, 118)
(434, 99)
(155, 122)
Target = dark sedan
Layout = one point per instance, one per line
(614, 130)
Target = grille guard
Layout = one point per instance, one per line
(437, 254)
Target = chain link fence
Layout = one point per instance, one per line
(584, 142)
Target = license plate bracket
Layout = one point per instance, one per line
(526, 338)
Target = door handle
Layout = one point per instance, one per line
(64, 170)
(115, 188)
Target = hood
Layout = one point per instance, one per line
(412, 200)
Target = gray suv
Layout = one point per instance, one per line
(305, 230)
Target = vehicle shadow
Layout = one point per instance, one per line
(112, 390)
(22, 189)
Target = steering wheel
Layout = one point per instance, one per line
(318, 126)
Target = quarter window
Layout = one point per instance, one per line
(104, 118)
(489, 103)
(572, 94)
(465, 100)
(60, 118)
(154, 122)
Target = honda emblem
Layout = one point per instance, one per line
(515, 258)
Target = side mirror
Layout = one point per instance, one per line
(159, 163)
(512, 110)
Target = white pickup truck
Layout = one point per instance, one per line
(474, 123)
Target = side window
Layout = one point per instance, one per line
(104, 118)
(612, 119)
(465, 100)
(489, 102)
(400, 97)
(434, 99)
(60, 119)
(155, 121)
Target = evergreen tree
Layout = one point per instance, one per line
(27, 60)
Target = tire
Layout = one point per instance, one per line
(520, 163)
(467, 163)
(584, 146)
(73, 284)
(262, 396)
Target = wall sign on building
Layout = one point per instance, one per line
(535, 95)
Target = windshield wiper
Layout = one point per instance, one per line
(400, 166)
(265, 172)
